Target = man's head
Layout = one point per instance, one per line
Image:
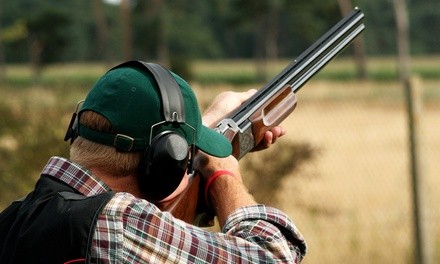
(128, 98)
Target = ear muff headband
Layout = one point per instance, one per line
(171, 95)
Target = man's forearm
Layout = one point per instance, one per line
(227, 194)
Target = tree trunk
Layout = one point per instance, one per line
(358, 44)
(101, 30)
(423, 240)
(162, 49)
(36, 50)
(403, 50)
(266, 36)
(259, 52)
(127, 42)
(272, 35)
(2, 55)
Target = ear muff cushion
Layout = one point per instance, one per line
(166, 161)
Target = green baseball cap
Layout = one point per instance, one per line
(129, 97)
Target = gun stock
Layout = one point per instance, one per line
(244, 137)
(267, 108)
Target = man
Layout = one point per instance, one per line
(134, 146)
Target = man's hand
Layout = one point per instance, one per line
(223, 105)
(227, 102)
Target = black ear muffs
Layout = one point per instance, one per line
(166, 159)
(164, 164)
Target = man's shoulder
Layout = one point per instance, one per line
(123, 203)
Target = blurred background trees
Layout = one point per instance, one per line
(174, 32)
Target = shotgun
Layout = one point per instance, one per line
(245, 127)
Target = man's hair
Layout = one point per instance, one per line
(93, 155)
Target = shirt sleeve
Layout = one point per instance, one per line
(133, 230)
(269, 228)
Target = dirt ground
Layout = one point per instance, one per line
(353, 203)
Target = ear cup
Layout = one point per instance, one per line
(166, 161)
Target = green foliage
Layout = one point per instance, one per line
(47, 23)
(14, 32)
(380, 30)
(47, 31)
(189, 34)
(380, 22)
(202, 29)
(425, 20)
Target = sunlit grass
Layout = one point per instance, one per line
(351, 190)
(234, 72)
(342, 68)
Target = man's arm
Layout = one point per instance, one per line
(226, 195)
(140, 232)
(226, 192)
(182, 203)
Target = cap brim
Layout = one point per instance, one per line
(214, 143)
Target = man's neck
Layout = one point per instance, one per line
(129, 184)
(126, 183)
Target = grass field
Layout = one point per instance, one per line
(351, 194)
(352, 200)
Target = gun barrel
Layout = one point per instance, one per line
(297, 73)
(326, 49)
(275, 95)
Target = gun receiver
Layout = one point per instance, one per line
(276, 99)
(270, 105)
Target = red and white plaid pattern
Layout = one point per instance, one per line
(132, 230)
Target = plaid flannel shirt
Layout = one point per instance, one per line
(133, 230)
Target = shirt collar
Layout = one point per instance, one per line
(75, 176)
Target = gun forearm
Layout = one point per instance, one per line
(246, 134)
